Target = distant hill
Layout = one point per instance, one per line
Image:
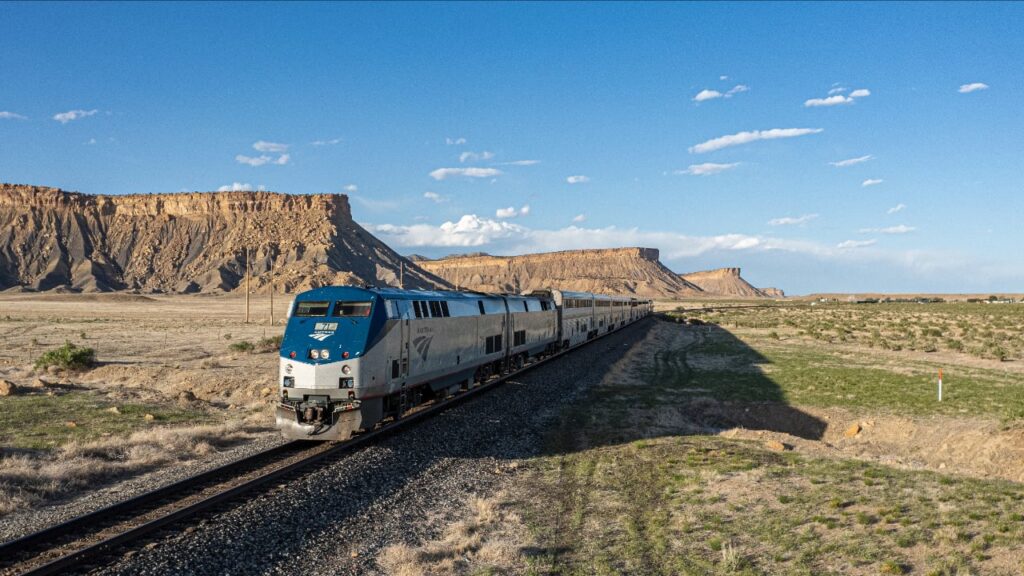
(627, 271)
(726, 282)
(189, 242)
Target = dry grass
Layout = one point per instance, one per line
(27, 479)
(487, 541)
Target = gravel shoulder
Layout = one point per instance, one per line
(403, 490)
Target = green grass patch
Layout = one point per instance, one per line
(40, 422)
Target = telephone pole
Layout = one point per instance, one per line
(271, 286)
(401, 275)
(247, 285)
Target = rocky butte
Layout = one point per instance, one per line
(189, 242)
(729, 282)
(612, 271)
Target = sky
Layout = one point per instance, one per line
(821, 147)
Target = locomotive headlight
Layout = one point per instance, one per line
(325, 353)
(346, 369)
(314, 354)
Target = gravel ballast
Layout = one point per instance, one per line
(404, 489)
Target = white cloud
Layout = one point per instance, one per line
(470, 230)
(434, 197)
(283, 159)
(520, 163)
(90, 141)
(580, 218)
(707, 168)
(835, 98)
(236, 187)
(871, 182)
(852, 161)
(707, 95)
(897, 208)
(577, 179)
(712, 94)
(444, 173)
(511, 212)
(792, 220)
(253, 161)
(972, 87)
(901, 229)
(475, 156)
(65, 117)
(264, 146)
(330, 142)
(454, 141)
(723, 77)
(849, 244)
(750, 136)
(5, 115)
(836, 90)
(350, 188)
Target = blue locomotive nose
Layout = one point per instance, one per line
(323, 330)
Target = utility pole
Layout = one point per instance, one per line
(271, 286)
(247, 285)
(401, 275)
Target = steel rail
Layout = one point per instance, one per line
(13, 552)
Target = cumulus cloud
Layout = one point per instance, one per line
(253, 160)
(237, 187)
(330, 142)
(511, 211)
(577, 179)
(475, 156)
(851, 244)
(901, 229)
(707, 168)
(836, 90)
(65, 117)
(470, 230)
(455, 141)
(350, 188)
(5, 115)
(871, 182)
(445, 173)
(434, 197)
(897, 208)
(750, 136)
(792, 220)
(972, 87)
(837, 98)
(580, 218)
(264, 146)
(852, 161)
(707, 94)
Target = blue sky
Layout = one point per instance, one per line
(710, 131)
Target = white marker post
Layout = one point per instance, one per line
(940, 385)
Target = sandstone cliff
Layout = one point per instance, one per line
(188, 242)
(724, 282)
(627, 271)
(773, 292)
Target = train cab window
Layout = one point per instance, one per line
(357, 309)
(311, 309)
(416, 307)
(444, 308)
(480, 303)
(435, 309)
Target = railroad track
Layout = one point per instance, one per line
(88, 541)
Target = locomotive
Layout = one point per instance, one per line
(352, 357)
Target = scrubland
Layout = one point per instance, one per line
(169, 379)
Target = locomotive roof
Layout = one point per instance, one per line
(336, 292)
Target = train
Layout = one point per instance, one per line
(353, 357)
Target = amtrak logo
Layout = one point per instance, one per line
(422, 344)
(320, 337)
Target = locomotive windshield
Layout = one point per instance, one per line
(352, 309)
(311, 309)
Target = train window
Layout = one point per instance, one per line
(520, 338)
(480, 303)
(352, 309)
(526, 307)
(311, 309)
(416, 307)
(394, 369)
(444, 309)
(489, 345)
(435, 309)
(497, 343)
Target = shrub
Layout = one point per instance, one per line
(68, 357)
(241, 346)
(272, 344)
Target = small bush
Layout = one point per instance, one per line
(67, 357)
(241, 346)
(272, 344)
